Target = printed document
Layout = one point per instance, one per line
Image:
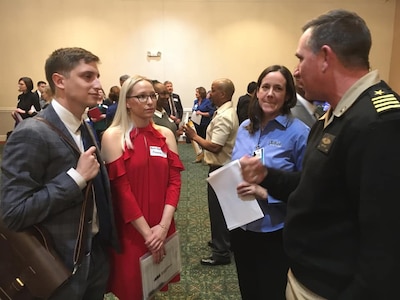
(156, 276)
(237, 212)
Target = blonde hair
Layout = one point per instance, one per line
(49, 92)
(122, 120)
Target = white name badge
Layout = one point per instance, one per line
(259, 153)
(156, 151)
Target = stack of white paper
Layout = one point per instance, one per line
(237, 212)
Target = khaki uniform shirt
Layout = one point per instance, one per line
(222, 131)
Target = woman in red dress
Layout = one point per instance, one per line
(144, 169)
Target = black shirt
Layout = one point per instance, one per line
(341, 230)
(25, 102)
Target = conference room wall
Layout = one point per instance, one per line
(199, 40)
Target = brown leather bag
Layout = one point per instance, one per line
(29, 266)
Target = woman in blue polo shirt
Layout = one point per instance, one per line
(275, 136)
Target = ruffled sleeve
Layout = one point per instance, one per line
(123, 198)
(174, 184)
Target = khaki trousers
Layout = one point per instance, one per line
(296, 291)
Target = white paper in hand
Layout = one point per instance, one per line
(237, 212)
(196, 118)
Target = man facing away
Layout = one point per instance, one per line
(305, 110)
(341, 231)
(219, 142)
(123, 78)
(45, 177)
(242, 108)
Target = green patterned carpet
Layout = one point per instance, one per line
(197, 282)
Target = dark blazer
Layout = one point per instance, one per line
(178, 106)
(37, 189)
(242, 108)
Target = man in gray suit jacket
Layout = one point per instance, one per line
(304, 109)
(45, 178)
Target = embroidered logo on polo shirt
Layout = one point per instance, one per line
(384, 102)
(326, 142)
(274, 143)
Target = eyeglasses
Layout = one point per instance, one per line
(144, 98)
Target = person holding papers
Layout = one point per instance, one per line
(279, 140)
(202, 107)
(202, 112)
(219, 141)
(144, 169)
(28, 102)
(97, 115)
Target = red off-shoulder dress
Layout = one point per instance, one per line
(143, 180)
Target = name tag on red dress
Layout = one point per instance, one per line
(156, 151)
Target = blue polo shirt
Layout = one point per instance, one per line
(283, 142)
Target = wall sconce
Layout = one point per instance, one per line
(153, 54)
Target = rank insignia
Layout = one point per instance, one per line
(384, 102)
(326, 142)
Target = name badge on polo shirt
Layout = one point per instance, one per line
(156, 151)
(259, 153)
(326, 142)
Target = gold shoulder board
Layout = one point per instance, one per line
(383, 101)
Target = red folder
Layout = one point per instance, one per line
(95, 113)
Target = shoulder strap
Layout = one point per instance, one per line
(60, 133)
(79, 247)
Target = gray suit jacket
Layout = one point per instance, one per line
(37, 189)
(300, 112)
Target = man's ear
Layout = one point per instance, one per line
(326, 53)
(58, 80)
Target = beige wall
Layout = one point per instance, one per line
(394, 75)
(200, 40)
